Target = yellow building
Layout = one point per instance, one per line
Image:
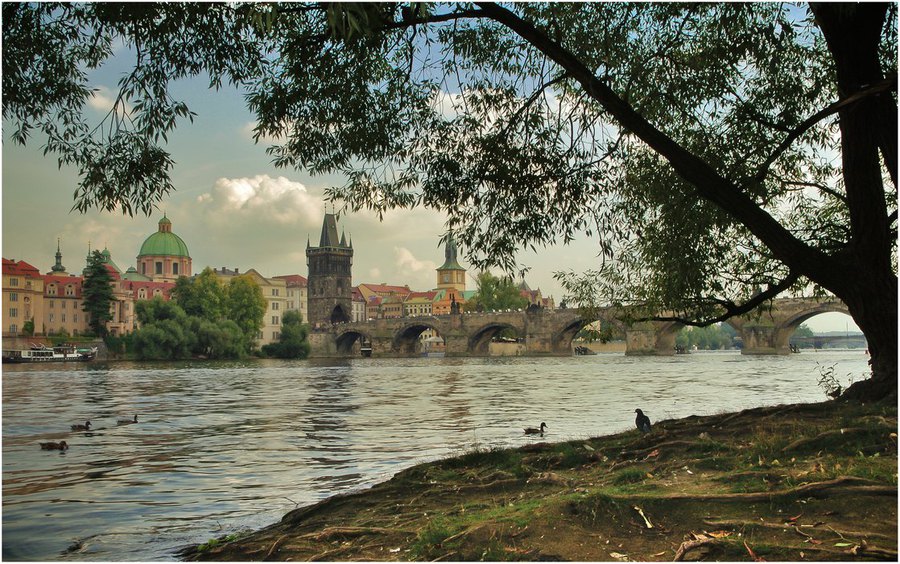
(274, 290)
(23, 297)
(297, 292)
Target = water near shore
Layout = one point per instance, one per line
(228, 446)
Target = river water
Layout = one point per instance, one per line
(222, 447)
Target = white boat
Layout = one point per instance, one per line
(41, 353)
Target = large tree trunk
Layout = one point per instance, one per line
(852, 32)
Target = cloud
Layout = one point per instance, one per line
(407, 262)
(103, 98)
(247, 131)
(261, 198)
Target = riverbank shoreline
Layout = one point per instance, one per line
(788, 482)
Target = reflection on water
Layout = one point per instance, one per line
(232, 445)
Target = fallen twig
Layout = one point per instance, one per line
(274, 546)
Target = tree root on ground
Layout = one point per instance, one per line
(784, 526)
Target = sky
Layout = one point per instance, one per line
(233, 208)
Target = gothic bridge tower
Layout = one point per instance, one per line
(329, 282)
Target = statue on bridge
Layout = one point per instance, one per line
(454, 307)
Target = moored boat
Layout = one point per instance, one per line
(60, 353)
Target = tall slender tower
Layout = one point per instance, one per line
(329, 281)
(451, 274)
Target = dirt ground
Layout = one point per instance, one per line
(796, 482)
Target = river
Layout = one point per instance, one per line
(226, 446)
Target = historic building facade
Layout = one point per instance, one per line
(329, 282)
(164, 256)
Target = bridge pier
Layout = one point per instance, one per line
(651, 338)
(765, 339)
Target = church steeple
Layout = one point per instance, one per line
(451, 274)
(58, 268)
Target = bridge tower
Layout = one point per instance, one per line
(329, 281)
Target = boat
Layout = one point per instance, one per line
(42, 353)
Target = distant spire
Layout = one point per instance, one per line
(58, 268)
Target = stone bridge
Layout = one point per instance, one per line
(550, 332)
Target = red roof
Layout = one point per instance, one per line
(429, 295)
(59, 284)
(134, 287)
(20, 268)
(387, 289)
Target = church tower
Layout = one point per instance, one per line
(451, 274)
(329, 281)
(58, 269)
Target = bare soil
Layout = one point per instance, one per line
(794, 482)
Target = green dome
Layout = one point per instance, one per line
(168, 244)
(164, 242)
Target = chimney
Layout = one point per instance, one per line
(235, 271)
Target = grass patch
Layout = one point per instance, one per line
(629, 476)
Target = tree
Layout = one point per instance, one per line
(292, 343)
(712, 149)
(494, 293)
(202, 296)
(97, 293)
(28, 327)
(246, 306)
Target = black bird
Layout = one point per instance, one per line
(85, 427)
(642, 421)
(127, 421)
(533, 431)
(61, 445)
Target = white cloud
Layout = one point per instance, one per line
(261, 198)
(407, 262)
(247, 131)
(103, 98)
(374, 273)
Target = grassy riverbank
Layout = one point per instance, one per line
(797, 482)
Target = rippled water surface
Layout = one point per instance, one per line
(227, 446)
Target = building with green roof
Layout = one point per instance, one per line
(164, 255)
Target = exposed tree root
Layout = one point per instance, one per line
(846, 433)
(330, 533)
(848, 484)
(784, 526)
(690, 545)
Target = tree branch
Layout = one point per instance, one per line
(877, 88)
(822, 187)
(732, 309)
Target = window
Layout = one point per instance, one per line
(143, 268)
(259, 335)
(64, 304)
(275, 334)
(70, 290)
(157, 292)
(75, 318)
(13, 281)
(274, 305)
(13, 297)
(51, 290)
(13, 328)
(63, 317)
(274, 320)
(14, 312)
(274, 291)
(51, 318)
(52, 304)
(158, 267)
(175, 268)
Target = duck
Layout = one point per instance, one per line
(85, 427)
(61, 445)
(642, 421)
(127, 421)
(535, 431)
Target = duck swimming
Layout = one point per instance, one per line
(85, 427)
(534, 431)
(61, 445)
(642, 421)
(127, 421)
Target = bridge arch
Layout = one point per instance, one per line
(406, 339)
(791, 322)
(480, 340)
(345, 342)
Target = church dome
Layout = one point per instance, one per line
(164, 242)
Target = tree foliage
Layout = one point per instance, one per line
(245, 306)
(168, 333)
(292, 343)
(720, 154)
(495, 293)
(97, 294)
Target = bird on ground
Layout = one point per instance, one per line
(535, 431)
(127, 421)
(85, 427)
(642, 421)
(61, 445)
